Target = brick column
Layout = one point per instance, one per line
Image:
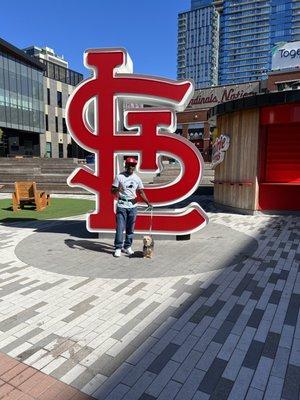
(185, 130)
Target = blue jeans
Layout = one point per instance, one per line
(125, 219)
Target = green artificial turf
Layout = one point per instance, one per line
(58, 208)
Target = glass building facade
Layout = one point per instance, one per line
(248, 31)
(54, 70)
(21, 103)
(61, 74)
(197, 55)
(21, 95)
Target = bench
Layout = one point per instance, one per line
(27, 193)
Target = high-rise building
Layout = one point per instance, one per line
(248, 31)
(296, 20)
(198, 44)
(245, 44)
(59, 82)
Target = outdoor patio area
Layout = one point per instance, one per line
(215, 317)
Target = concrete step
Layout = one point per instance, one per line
(18, 170)
(49, 188)
(58, 170)
(49, 174)
(36, 170)
(7, 160)
(172, 171)
(163, 177)
(171, 176)
(204, 182)
(176, 166)
(5, 178)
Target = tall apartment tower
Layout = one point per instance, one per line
(247, 32)
(198, 41)
(296, 20)
(59, 82)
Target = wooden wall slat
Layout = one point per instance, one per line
(241, 159)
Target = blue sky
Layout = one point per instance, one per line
(147, 29)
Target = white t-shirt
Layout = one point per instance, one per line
(129, 185)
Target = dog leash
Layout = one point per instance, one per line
(151, 219)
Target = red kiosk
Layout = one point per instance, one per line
(261, 168)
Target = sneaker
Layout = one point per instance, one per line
(117, 253)
(129, 251)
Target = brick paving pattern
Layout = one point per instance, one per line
(230, 333)
(19, 381)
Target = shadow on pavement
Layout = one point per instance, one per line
(89, 245)
(205, 201)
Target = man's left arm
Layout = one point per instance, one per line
(144, 197)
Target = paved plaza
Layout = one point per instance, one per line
(216, 317)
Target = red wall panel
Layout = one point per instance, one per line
(279, 197)
(281, 114)
(283, 153)
(279, 186)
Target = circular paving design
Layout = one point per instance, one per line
(68, 248)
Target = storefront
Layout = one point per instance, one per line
(261, 167)
(193, 122)
(21, 143)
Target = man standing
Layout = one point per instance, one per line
(125, 186)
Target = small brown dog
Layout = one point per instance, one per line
(148, 246)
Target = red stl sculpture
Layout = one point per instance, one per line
(151, 134)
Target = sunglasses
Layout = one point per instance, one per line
(131, 165)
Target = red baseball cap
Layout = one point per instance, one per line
(130, 160)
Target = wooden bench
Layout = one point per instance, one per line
(27, 193)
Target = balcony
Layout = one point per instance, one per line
(182, 23)
(218, 5)
(263, 17)
(244, 10)
(254, 36)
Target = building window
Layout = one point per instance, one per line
(65, 130)
(62, 74)
(48, 149)
(56, 124)
(59, 99)
(47, 122)
(60, 150)
(48, 96)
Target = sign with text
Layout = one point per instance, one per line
(210, 97)
(220, 145)
(286, 55)
(147, 133)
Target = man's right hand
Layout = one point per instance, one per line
(114, 190)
